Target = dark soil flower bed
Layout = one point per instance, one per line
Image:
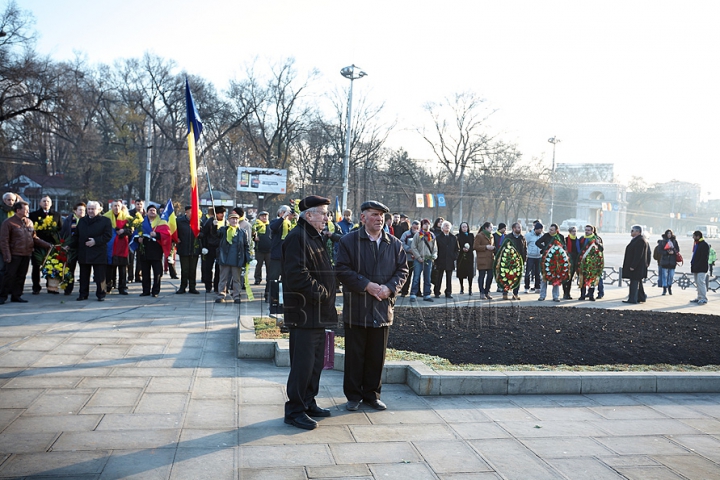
(557, 336)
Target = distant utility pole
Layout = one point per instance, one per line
(554, 141)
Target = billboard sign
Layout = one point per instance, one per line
(262, 180)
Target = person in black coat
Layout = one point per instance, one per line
(309, 298)
(699, 266)
(448, 251)
(466, 257)
(94, 231)
(635, 265)
(520, 244)
(189, 251)
(210, 243)
(372, 267)
(38, 216)
(69, 229)
(151, 253)
(669, 249)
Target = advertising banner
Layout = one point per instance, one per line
(261, 180)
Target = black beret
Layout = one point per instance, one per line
(313, 201)
(372, 204)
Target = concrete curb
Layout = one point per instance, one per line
(423, 380)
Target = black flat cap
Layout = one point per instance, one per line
(313, 201)
(372, 204)
(402, 215)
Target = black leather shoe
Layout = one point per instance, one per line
(180, 292)
(449, 297)
(18, 300)
(353, 405)
(628, 301)
(194, 292)
(154, 295)
(376, 404)
(80, 299)
(123, 292)
(144, 294)
(316, 411)
(302, 421)
(53, 292)
(101, 299)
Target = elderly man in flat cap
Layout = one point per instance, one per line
(372, 266)
(309, 296)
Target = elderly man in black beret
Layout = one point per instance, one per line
(372, 267)
(309, 297)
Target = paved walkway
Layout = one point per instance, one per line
(140, 388)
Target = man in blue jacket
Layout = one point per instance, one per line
(372, 267)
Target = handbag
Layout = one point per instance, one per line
(678, 258)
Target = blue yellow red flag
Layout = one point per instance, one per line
(194, 129)
(338, 213)
(169, 216)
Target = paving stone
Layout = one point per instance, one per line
(705, 425)
(115, 397)
(705, 445)
(25, 442)
(42, 382)
(665, 426)
(262, 395)
(635, 412)
(379, 452)
(140, 421)
(19, 359)
(150, 372)
(400, 433)
(339, 471)
(511, 459)
(550, 447)
(53, 424)
(469, 476)
(389, 417)
(54, 464)
(113, 382)
(451, 457)
(679, 412)
(18, 398)
(584, 467)
(279, 456)
(689, 466)
(162, 403)
(478, 431)
(50, 404)
(253, 415)
(208, 439)
(169, 385)
(645, 445)
(506, 412)
(273, 474)
(39, 343)
(552, 429)
(279, 433)
(194, 463)
(211, 413)
(214, 387)
(416, 471)
(108, 352)
(565, 413)
(617, 461)
(60, 360)
(139, 464)
(118, 440)
(643, 473)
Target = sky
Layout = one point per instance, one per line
(634, 83)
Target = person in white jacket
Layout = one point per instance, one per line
(424, 251)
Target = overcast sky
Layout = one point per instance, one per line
(633, 83)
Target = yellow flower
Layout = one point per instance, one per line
(54, 224)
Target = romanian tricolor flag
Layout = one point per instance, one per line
(194, 128)
(338, 213)
(429, 200)
(169, 216)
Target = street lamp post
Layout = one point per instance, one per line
(554, 141)
(352, 72)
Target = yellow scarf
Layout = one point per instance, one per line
(572, 237)
(230, 233)
(261, 227)
(287, 226)
(121, 216)
(157, 222)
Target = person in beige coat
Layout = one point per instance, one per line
(484, 246)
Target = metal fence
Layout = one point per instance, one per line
(613, 276)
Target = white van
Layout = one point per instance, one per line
(708, 231)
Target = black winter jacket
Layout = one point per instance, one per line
(308, 279)
(359, 262)
(188, 245)
(448, 251)
(98, 228)
(637, 257)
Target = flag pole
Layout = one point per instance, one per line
(207, 171)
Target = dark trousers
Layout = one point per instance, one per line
(364, 360)
(448, 282)
(98, 270)
(532, 268)
(261, 258)
(408, 283)
(273, 273)
(188, 271)
(71, 268)
(114, 271)
(155, 278)
(14, 277)
(131, 266)
(637, 292)
(307, 353)
(567, 284)
(35, 275)
(485, 278)
(210, 280)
